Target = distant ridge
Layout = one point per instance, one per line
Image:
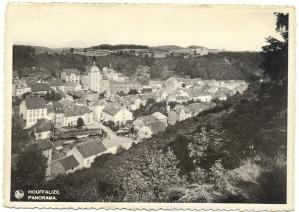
(166, 48)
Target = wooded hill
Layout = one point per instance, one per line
(222, 66)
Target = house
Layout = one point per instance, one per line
(42, 129)
(143, 120)
(88, 115)
(70, 75)
(145, 97)
(97, 108)
(221, 96)
(125, 86)
(116, 114)
(32, 109)
(152, 128)
(160, 95)
(64, 166)
(40, 89)
(132, 101)
(64, 96)
(87, 151)
(71, 115)
(20, 87)
(160, 117)
(56, 84)
(172, 117)
(182, 112)
(58, 112)
(72, 86)
(182, 99)
(203, 97)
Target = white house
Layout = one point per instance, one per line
(70, 75)
(42, 129)
(115, 114)
(32, 109)
(97, 108)
(86, 152)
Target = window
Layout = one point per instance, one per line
(30, 120)
(87, 162)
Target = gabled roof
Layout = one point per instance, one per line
(86, 109)
(68, 162)
(55, 82)
(56, 106)
(111, 109)
(90, 148)
(43, 144)
(36, 87)
(70, 71)
(73, 111)
(159, 115)
(157, 127)
(42, 125)
(66, 103)
(35, 103)
(148, 119)
(100, 102)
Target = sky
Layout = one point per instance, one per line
(57, 26)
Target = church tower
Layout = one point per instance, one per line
(95, 78)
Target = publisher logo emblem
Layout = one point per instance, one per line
(19, 194)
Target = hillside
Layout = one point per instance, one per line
(223, 66)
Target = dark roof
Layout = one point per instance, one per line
(55, 82)
(73, 111)
(43, 144)
(36, 87)
(148, 119)
(70, 71)
(57, 106)
(35, 103)
(111, 109)
(157, 127)
(91, 148)
(42, 125)
(69, 162)
(86, 109)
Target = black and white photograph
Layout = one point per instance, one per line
(178, 106)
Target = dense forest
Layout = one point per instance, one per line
(234, 152)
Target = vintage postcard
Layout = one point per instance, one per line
(153, 106)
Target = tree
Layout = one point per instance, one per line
(275, 54)
(71, 50)
(133, 91)
(94, 59)
(147, 176)
(84, 60)
(30, 171)
(80, 122)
